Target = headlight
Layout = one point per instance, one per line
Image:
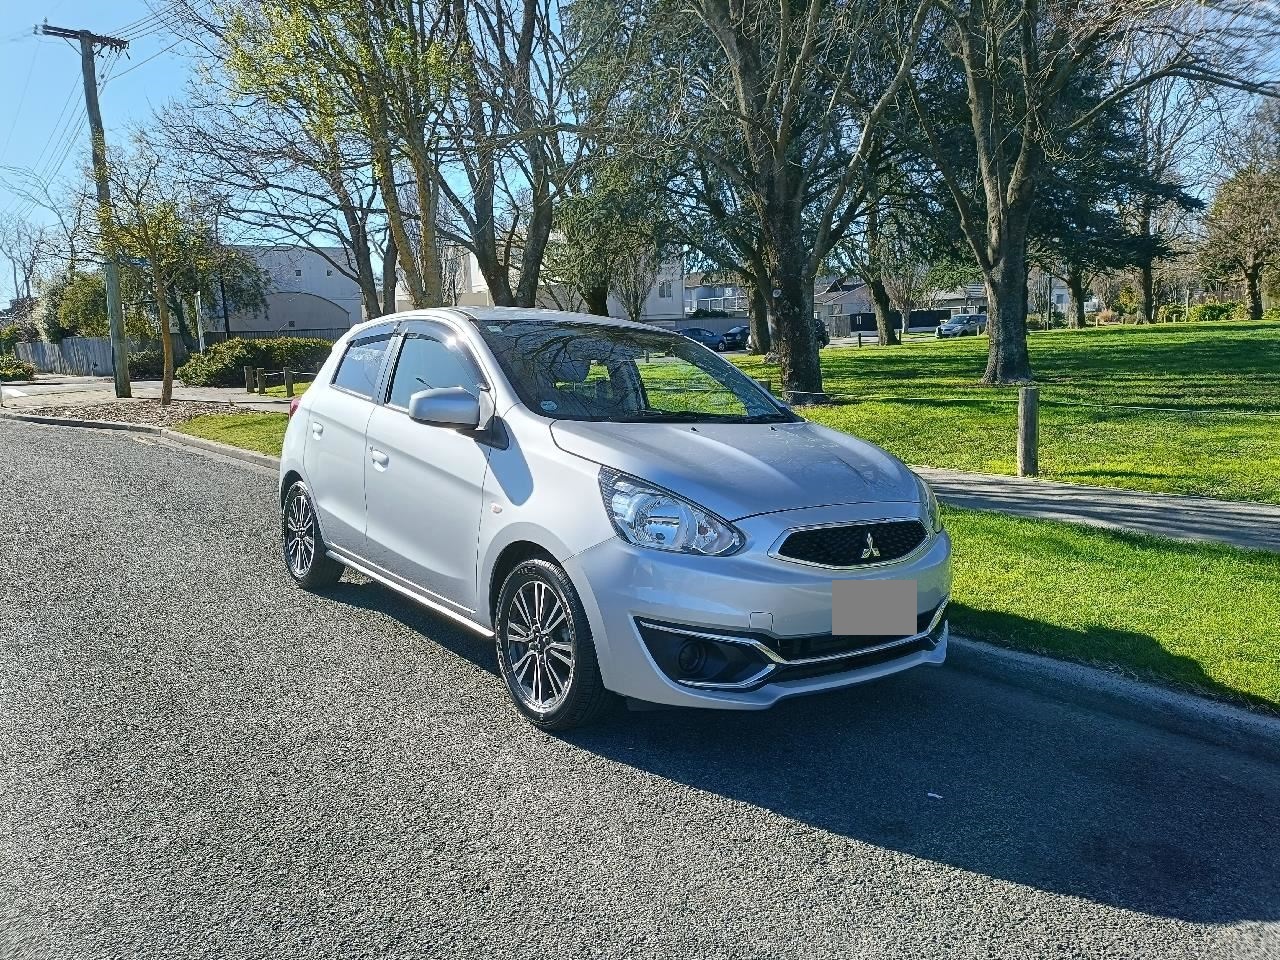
(649, 516)
(930, 515)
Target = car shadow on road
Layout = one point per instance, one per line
(952, 768)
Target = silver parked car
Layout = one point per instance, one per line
(962, 324)
(621, 509)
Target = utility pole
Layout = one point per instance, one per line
(89, 42)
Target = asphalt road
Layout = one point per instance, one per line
(198, 759)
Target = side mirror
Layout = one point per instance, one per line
(446, 407)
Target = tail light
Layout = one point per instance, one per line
(293, 406)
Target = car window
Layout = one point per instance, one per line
(358, 371)
(586, 371)
(426, 364)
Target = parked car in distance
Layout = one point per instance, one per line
(962, 324)
(735, 338)
(716, 341)
(621, 512)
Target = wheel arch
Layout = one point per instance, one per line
(510, 557)
(288, 480)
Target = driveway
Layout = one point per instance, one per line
(198, 759)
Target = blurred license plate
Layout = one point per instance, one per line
(873, 608)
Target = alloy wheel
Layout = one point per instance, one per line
(300, 534)
(538, 646)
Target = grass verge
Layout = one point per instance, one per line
(1191, 615)
(263, 432)
(923, 402)
(299, 388)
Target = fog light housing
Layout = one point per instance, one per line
(703, 658)
(692, 658)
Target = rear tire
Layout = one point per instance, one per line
(545, 650)
(302, 547)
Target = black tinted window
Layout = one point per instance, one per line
(425, 364)
(358, 371)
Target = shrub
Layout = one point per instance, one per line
(1105, 316)
(1272, 315)
(1211, 312)
(222, 365)
(146, 365)
(1172, 313)
(11, 368)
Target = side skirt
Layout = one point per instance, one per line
(415, 595)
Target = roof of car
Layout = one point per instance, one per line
(505, 313)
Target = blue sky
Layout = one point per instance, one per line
(42, 125)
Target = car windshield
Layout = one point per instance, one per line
(571, 370)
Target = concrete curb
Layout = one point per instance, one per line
(1212, 721)
(211, 446)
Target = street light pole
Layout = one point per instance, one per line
(89, 42)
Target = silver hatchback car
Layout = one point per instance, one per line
(622, 510)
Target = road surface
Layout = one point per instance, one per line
(199, 759)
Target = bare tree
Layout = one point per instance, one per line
(1021, 64)
(25, 244)
(634, 275)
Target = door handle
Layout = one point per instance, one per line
(379, 458)
(317, 428)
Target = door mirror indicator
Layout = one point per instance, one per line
(446, 407)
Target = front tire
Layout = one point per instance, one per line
(303, 549)
(545, 650)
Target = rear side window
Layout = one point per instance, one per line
(426, 363)
(360, 366)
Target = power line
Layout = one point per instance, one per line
(22, 100)
(142, 62)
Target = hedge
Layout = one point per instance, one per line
(1212, 311)
(222, 365)
(11, 368)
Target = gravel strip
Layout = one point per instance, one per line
(198, 759)
(134, 411)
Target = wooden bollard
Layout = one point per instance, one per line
(248, 379)
(1028, 431)
(288, 383)
(262, 381)
(767, 384)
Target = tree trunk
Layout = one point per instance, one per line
(1075, 283)
(1006, 283)
(390, 275)
(1147, 306)
(758, 320)
(786, 260)
(1253, 287)
(887, 334)
(166, 343)
(596, 298)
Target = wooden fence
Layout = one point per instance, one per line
(74, 356)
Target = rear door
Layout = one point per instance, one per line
(335, 452)
(424, 483)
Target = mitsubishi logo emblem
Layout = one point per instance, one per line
(870, 550)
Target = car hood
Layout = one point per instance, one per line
(739, 470)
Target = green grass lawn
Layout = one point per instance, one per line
(923, 402)
(299, 388)
(1192, 615)
(263, 432)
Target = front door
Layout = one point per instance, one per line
(423, 482)
(335, 459)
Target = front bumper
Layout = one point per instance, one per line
(776, 612)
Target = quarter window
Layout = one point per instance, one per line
(426, 364)
(360, 366)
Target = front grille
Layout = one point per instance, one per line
(855, 544)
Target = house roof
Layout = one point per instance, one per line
(839, 292)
